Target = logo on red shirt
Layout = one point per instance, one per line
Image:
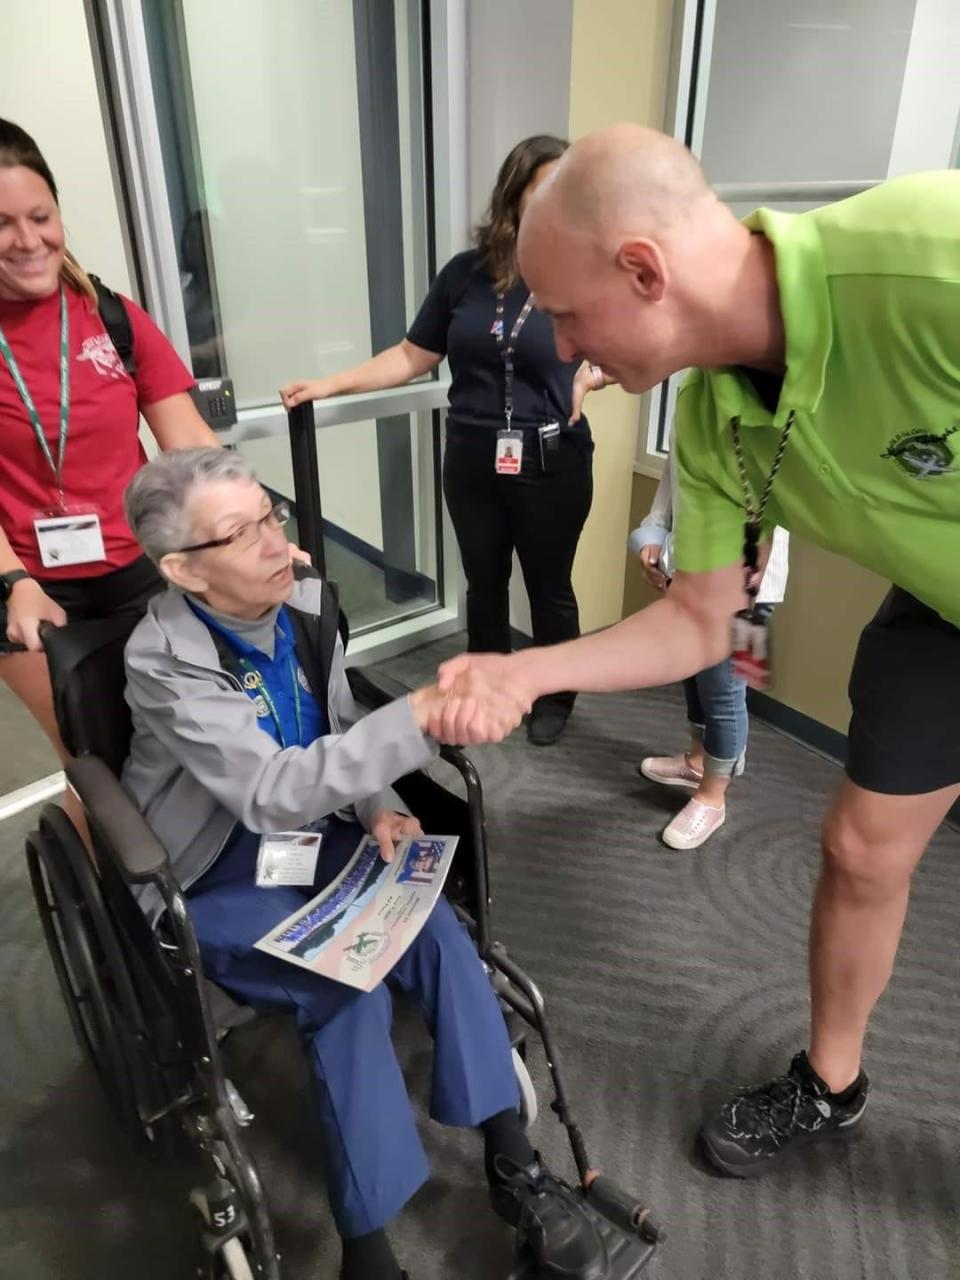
(102, 354)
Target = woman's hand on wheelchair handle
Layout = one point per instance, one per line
(299, 556)
(28, 607)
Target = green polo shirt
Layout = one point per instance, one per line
(870, 295)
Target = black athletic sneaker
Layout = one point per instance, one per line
(756, 1127)
(552, 1227)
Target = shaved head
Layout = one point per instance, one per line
(625, 180)
(642, 268)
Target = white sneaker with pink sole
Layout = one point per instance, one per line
(693, 825)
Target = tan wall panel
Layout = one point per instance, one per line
(620, 57)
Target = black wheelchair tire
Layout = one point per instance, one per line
(234, 1164)
(88, 962)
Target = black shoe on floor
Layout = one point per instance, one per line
(552, 1227)
(756, 1127)
(546, 722)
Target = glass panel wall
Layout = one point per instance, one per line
(295, 158)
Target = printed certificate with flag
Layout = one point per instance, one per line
(357, 929)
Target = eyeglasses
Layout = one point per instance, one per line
(248, 534)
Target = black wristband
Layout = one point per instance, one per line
(9, 580)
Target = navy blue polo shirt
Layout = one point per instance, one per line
(456, 320)
(285, 680)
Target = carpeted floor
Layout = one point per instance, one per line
(670, 977)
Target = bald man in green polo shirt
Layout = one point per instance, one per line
(826, 399)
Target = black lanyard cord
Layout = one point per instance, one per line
(754, 522)
(507, 351)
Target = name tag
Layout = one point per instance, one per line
(750, 644)
(74, 537)
(509, 453)
(288, 858)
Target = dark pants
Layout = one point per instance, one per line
(539, 513)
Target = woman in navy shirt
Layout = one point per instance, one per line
(517, 472)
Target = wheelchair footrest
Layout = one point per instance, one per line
(627, 1252)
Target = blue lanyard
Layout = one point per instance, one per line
(253, 680)
(27, 398)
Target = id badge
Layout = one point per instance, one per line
(751, 650)
(509, 453)
(288, 858)
(69, 537)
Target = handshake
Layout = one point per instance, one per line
(477, 698)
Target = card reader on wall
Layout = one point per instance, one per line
(215, 401)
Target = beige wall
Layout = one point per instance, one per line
(620, 57)
(66, 122)
(636, 593)
(815, 630)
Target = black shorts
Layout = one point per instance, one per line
(121, 591)
(905, 691)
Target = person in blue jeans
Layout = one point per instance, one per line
(716, 698)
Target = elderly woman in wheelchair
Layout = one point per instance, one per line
(244, 724)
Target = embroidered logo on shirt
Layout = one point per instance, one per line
(261, 706)
(303, 681)
(102, 354)
(921, 454)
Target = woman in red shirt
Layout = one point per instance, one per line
(69, 443)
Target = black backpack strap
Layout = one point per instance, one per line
(116, 321)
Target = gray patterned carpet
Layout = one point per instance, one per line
(670, 978)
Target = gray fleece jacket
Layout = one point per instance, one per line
(199, 762)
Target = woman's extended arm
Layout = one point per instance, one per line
(391, 368)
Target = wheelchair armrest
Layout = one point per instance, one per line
(138, 853)
(374, 689)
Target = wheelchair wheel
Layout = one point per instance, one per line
(234, 1260)
(88, 961)
(219, 1209)
(529, 1107)
(235, 1227)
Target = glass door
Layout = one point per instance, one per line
(280, 164)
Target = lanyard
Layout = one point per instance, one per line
(507, 352)
(258, 685)
(31, 408)
(753, 525)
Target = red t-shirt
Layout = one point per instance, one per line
(103, 448)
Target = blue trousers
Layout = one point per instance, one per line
(375, 1160)
(717, 710)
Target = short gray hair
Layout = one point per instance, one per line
(156, 498)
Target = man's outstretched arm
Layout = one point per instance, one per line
(685, 632)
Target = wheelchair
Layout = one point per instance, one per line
(151, 1025)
